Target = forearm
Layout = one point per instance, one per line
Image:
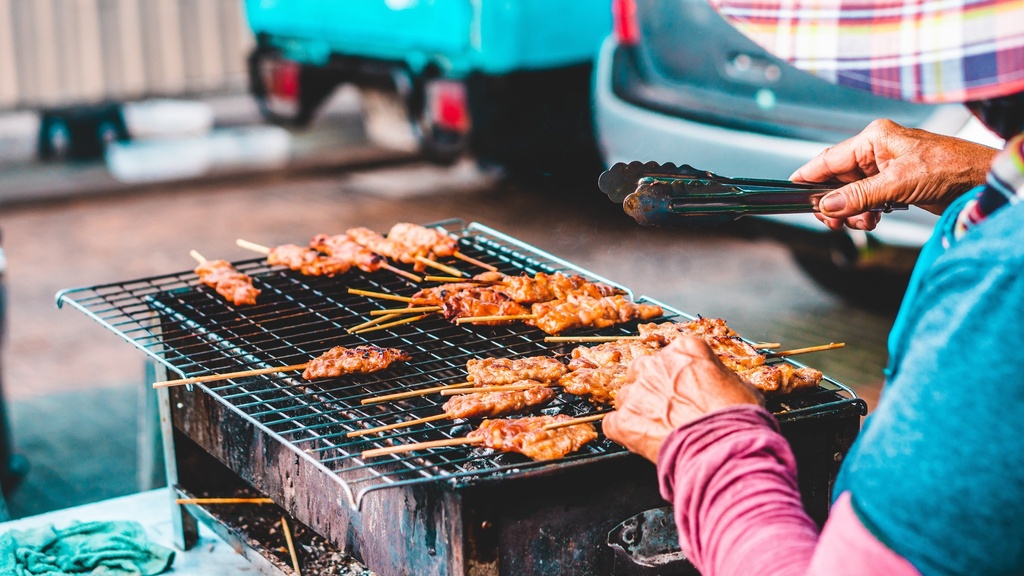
(732, 480)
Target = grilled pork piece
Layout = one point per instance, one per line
(477, 301)
(735, 353)
(227, 281)
(599, 383)
(438, 295)
(546, 287)
(490, 404)
(423, 241)
(781, 378)
(307, 261)
(616, 352)
(376, 243)
(501, 371)
(669, 331)
(526, 436)
(579, 311)
(363, 359)
(343, 248)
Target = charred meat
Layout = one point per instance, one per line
(501, 371)
(528, 437)
(362, 359)
(490, 404)
(228, 282)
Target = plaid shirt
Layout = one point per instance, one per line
(918, 50)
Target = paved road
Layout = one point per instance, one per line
(74, 384)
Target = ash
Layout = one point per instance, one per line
(260, 527)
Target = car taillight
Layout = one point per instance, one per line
(449, 105)
(284, 79)
(627, 29)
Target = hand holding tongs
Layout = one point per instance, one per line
(655, 194)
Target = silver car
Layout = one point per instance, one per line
(676, 83)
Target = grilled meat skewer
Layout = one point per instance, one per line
(362, 359)
(491, 404)
(523, 435)
(528, 437)
(307, 261)
(581, 311)
(227, 281)
(501, 371)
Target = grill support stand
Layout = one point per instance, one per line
(186, 527)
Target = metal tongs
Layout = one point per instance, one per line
(657, 194)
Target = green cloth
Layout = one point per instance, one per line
(95, 548)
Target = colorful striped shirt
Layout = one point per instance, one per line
(1004, 185)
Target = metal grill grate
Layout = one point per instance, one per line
(193, 331)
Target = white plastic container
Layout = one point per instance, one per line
(158, 160)
(167, 118)
(250, 147)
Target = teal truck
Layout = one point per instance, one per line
(506, 80)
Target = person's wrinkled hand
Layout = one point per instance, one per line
(677, 385)
(891, 163)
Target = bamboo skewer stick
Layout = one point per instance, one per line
(402, 273)
(291, 546)
(390, 324)
(405, 424)
(447, 279)
(373, 322)
(470, 319)
(575, 421)
(474, 261)
(439, 266)
(421, 446)
(253, 246)
(589, 338)
(809, 349)
(412, 393)
(404, 311)
(197, 256)
(229, 375)
(381, 295)
(500, 388)
(224, 501)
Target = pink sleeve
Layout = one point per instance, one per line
(732, 480)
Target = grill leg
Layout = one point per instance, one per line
(186, 527)
(151, 473)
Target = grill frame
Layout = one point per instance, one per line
(165, 317)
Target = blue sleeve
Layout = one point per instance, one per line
(936, 474)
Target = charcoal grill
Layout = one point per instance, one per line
(446, 511)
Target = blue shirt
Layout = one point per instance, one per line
(937, 473)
